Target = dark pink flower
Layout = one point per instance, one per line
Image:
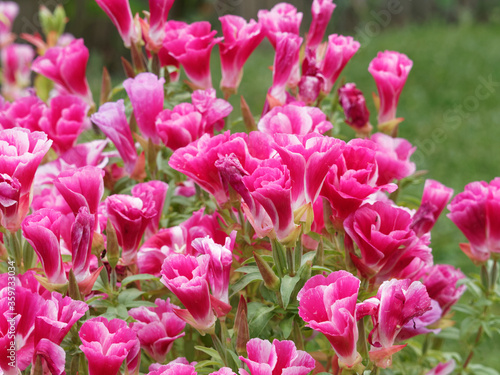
(400, 301)
(390, 71)
(286, 65)
(187, 277)
(64, 120)
(146, 95)
(294, 119)
(106, 344)
(240, 40)
(212, 109)
(351, 180)
(197, 160)
(441, 283)
(82, 232)
(382, 233)
(393, 158)
(156, 191)
(20, 155)
(153, 252)
(192, 49)
(67, 66)
(157, 328)
(24, 113)
(158, 10)
(434, 200)
(42, 230)
(328, 305)
(474, 212)
(339, 51)
(180, 126)
(82, 187)
(354, 105)
(280, 357)
(283, 17)
(174, 369)
(120, 14)
(321, 11)
(112, 121)
(53, 357)
(130, 217)
(172, 31)
(221, 259)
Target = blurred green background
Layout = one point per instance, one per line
(450, 102)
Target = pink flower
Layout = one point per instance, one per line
(444, 368)
(42, 230)
(328, 305)
(106, 344)
(270, 188)
(309, 159)
(321, 11)
(192, 49)
(212, 109)
(158, 10)
(24, 113)
(186, 277)
(53, 357)
(390, 71)
(441, 283)
(418, 325)
(155, 191)
(351, 180)
(179, 127)
(67, 66)
(393, 158)
(16, 69)
(130, 217)
(354, 105)
(153, 252)
(9, 11)
(64, 120)
(197, 160)
(286, 64)
(146, 95)
(223, 371)
(112, 121)
(173, 29)
(339, 51)
(82, 232)
(56, 317)
(283, 17)
(280, 358)
(157, 328)
(20, 154)
(434, 199)
(474, 212)
(120, 14)
(294, 119)
(82, 187)
(400, 301)
(240, 40)
(382, 232)
(221, 259)
(200, 225)
(174, 369)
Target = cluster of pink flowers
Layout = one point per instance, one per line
(104, 210)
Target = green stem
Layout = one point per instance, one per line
(320, 255)
(14, 246)
(297, 336)
(290, 258)
(362, 347)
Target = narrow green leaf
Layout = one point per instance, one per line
(244, 281)
(287, 287)
(141, 276)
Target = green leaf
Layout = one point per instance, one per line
(286, 326)
(211, 352)
(247, 269)
(321, 269)
(259, 319)
(141, 276)
(483, 370)
(129, 295)
(307, 256)
(140, 303)
(287, 287)
(245, 280)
